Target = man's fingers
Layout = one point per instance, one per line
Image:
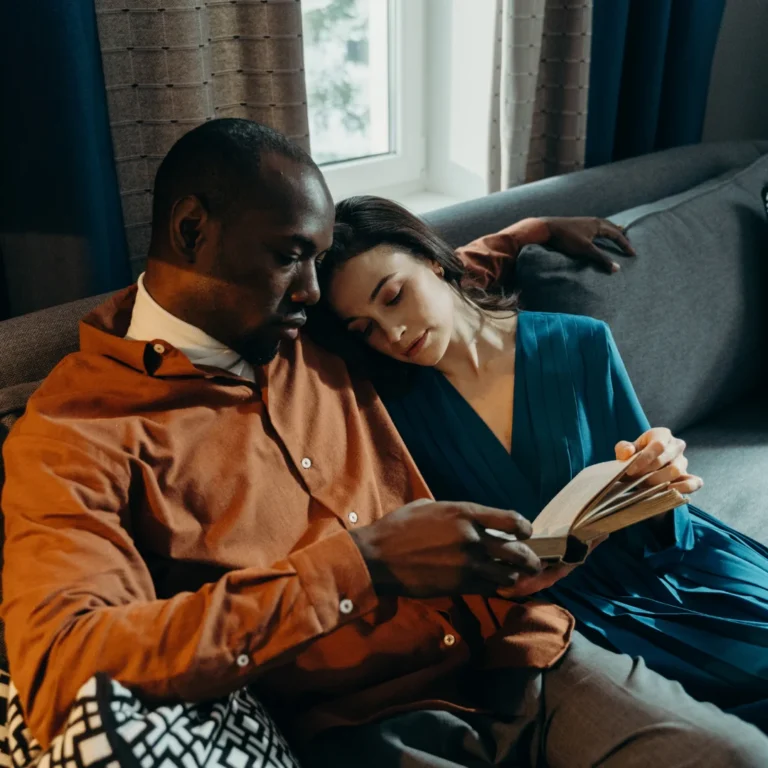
(600, 258)
(513, 553)
(612, 232)
(504, 520)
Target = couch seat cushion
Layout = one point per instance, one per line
(730, 452)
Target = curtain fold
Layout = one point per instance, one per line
(61, 230)
(540, 89)
(170, 65)
(651, 65)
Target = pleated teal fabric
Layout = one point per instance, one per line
(691, 600)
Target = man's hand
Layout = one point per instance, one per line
(576, 237)
(662, 454)
(433, 549)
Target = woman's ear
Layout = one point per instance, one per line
(438, 269)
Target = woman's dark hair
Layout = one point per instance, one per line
(367, 221)
(362, 223)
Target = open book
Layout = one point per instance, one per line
(601, 499)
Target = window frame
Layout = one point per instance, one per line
(402, 171)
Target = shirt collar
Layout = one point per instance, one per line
(104, 331)
(150, 321)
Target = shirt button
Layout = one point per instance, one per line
(159, 348)
(352, 517)
(346, 606)
(243, 660)
(449, 640)
(306, 463)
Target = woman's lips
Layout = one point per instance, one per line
(417, 345)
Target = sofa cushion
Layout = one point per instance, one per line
(727, 452)
(689, 313)
(31, 345)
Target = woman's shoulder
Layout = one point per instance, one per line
(543, 324)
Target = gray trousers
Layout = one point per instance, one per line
(594, 708)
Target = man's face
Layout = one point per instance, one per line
(260, 269)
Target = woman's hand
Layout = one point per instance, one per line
(662, 454)
(530, 585)
(575, 236)
(550, 574)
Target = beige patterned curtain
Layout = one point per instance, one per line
(170, 65)
(540, 89)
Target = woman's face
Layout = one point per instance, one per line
(397, 303)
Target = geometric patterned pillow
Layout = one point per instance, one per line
(109, 727)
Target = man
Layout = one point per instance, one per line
(199, 500)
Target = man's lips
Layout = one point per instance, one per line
(417, 345)
(288, 326)
(293, 321)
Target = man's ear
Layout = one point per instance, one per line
(188, 222)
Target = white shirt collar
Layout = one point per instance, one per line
(150, 321)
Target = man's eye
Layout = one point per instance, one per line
(286, 258)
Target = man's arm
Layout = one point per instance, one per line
(79, 599)
(490, 260)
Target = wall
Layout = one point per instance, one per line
(459, 67)
(737, 107)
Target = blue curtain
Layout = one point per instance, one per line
(649, 75)
(61, 227)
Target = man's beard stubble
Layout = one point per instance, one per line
(259, 353)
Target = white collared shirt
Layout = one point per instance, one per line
(150, 321)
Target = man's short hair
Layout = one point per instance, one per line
(219, 162)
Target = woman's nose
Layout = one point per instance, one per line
(395, 333)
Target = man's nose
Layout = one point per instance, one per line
(306, 289)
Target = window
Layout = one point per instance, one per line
(346, 54)
(364, 63)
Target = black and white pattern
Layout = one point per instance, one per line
(109, 727)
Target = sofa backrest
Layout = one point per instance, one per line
(689, 314)
(599, 191)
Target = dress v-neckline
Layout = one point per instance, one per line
(482, 450)
(481, 421)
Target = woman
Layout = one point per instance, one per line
(503, 408)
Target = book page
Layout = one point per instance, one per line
(633, 496)
(560, 514)
(619, 488)
(650, 507)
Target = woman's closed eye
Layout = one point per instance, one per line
(363, 331)
(395, 299)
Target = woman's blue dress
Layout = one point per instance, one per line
(694, 606)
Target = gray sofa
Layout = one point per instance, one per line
(726, 427)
